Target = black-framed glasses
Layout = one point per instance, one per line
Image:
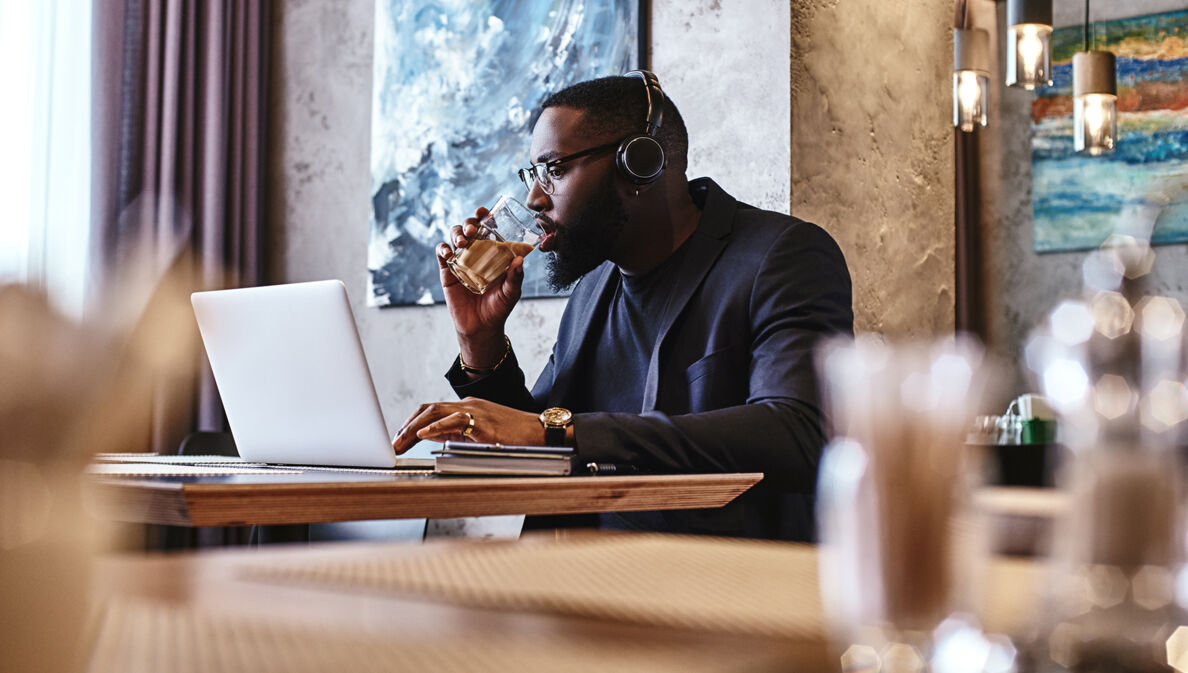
(541, 173)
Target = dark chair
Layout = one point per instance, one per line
(205, 443)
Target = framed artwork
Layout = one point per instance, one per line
(1077, 202)
(455, 88)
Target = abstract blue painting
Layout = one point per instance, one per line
(1078, 201)
(455, 87)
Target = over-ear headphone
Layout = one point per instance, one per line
(640, 157)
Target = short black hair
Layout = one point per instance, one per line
(620, 105)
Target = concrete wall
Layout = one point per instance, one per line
(733, 93)
(1021, 287)
(724, 62)
(872, 152)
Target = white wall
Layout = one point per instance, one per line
(726, 66)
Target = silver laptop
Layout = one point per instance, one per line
(291, 371)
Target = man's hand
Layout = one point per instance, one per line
(490, 422)
(479, 319)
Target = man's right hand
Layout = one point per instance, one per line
(479, 319)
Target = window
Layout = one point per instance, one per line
(45, 163)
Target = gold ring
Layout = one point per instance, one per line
(469, 425)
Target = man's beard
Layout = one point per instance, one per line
(589, 240)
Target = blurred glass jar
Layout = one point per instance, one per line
(1119, 552)
(900, 547)
(67, 390)
(983, 431)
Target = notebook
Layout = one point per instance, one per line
(294, 380)
(473, 458)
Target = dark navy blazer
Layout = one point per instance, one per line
(731, 385)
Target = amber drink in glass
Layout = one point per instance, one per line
(508, 231)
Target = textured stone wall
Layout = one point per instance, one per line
(1021, 287)
(872, 152)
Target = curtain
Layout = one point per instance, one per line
(45, 47)
(179, 152)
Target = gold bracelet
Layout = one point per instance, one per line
(479, 370)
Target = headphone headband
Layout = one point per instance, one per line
(655, 96)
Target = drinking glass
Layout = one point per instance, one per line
(1117, 601)
(508, 231)
(900, 549)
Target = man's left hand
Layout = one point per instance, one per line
(487, 421)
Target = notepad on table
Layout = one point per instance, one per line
(499, 459)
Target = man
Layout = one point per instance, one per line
(687, 344)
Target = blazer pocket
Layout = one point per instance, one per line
(721, 360)
(718, 380)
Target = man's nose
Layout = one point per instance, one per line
(537, 200)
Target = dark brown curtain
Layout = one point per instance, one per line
(180, 96)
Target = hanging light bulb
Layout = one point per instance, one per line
(1095, 102)
(971, 78)
(1029, 43)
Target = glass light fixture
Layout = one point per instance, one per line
(1095, 102)
(1029, 43)
(971, 78)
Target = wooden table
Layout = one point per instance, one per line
(193, 598)
(219, 586)
(316, 497)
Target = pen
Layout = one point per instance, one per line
(611, 468)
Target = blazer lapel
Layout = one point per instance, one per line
(567, 356)
(707, 241)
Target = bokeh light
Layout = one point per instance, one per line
(1165, 405)
(1177, 649)
(1112, 314)
(860, 659)
(901, 657)
(1160, 318)
(1071, 322)
(1065, 383)
(1136, 254)
(1102, 270)
(1112, 396)
(1108, 585)
(1153, 587)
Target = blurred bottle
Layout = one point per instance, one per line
(901, 551)
(1117, 387)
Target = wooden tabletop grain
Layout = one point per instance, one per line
(316, 497)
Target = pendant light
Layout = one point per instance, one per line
(1029, 43)
(1095, 99)
(971, 78)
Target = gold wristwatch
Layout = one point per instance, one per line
(555, 421)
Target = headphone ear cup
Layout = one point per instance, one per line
(640, 159)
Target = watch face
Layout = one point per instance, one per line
(556, 416)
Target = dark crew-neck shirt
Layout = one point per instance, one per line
(616, 364)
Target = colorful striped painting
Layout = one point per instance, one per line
(1078, 201)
